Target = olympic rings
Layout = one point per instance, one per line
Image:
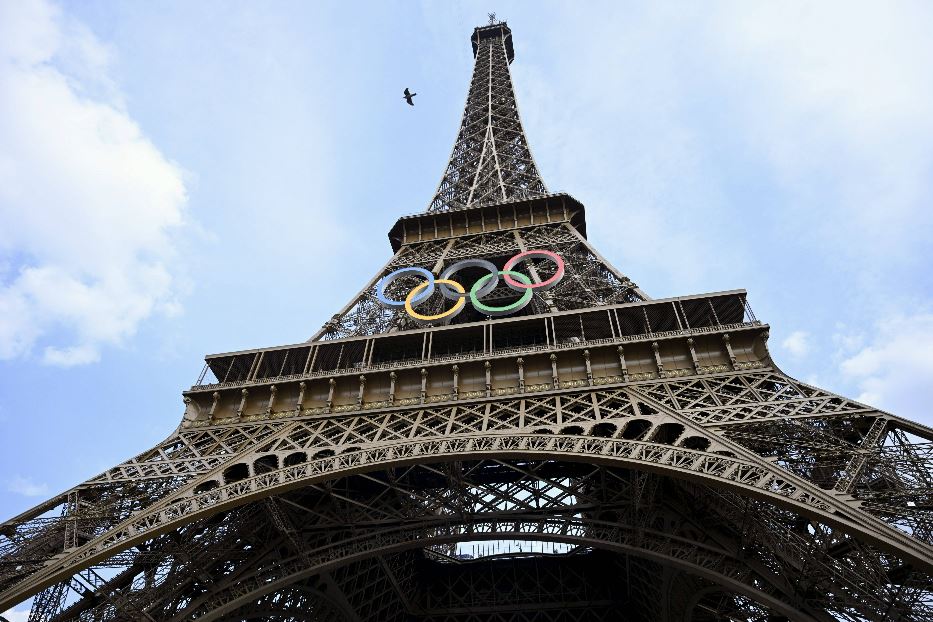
(538, 254)
(450, 313)
(471, 263)
(452, 290)
(518, 305)
(389, 279)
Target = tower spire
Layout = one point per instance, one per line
(490, 161)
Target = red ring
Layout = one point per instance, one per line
(558, 275)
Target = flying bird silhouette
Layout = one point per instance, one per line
(408, 95)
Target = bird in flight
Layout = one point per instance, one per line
(408, 95)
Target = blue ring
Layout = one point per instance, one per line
(387, 280)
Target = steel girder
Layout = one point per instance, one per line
(490, 161)
(590, 281)
(628, 428)
(709, 485)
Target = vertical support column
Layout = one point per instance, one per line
(456, 370)
(359, 396)
(657, 358)
(521, 374)
(488, 366)
(302, 386)
(622, 364)
(424, 384)
(331, 385)
(589, 368)
(680, 325)
(254, 368)
(392, 379)
(686, 322)
(244, 395)
(312, 356)
(215, 401)
(555, 380)
(693, 355)
(271, 403)
(728, 342)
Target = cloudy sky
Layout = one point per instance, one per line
(182, 178)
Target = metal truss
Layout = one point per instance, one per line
(601, 457)
(662, 472)
(590, 281)
(490, 161)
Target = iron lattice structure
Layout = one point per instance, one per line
(599, 456)
(491, 161)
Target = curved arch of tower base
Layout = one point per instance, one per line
(364, 529)
(596, 455)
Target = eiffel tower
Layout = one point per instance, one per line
(550, 444)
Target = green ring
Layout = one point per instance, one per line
(504, 310)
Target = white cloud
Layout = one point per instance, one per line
(847, 340)
(26, 487)
(87, 202)
(894, 371)
(17, 615)
(66, 357)
(797, 343)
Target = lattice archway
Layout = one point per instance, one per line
(593, 501)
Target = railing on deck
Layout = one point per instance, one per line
(618, 324)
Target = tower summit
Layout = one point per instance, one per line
(491, 161)
(499, 427)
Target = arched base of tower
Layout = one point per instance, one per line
(502, 539)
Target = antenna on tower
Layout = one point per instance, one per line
(492, 18)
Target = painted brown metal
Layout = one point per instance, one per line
(599, 456)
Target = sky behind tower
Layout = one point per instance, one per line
(184, 178)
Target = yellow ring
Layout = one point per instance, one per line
(440, 316)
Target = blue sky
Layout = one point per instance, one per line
(183, 178)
